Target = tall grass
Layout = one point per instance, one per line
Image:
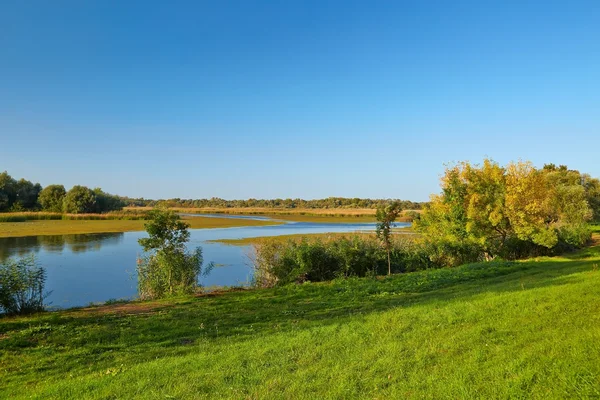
(43, 216)
(22, 286)
(313, 212)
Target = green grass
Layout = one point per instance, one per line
(70, 227)
(501, 330)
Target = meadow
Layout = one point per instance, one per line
(522, 329)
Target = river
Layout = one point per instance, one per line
(94, 268)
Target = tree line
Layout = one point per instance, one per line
(330, 202)
(24, 195)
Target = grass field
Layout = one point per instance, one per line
(501, 330)
(66, 227)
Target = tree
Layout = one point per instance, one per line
(386, 215)
(107, 202)
(166, 230)
(51, 198)
(27, 194)
(488, 211)
(8, 191)
(592, 189)
(169, 268)
(78, 200)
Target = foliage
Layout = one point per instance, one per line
(79, 200)
(169, 272)
(166, 231)
(23, 195)
(592, 190)
(386, 215)
(22, 286)
(107, 202)
(328, 203)
(280, 263)
(490, 211)
(492, 330)
(51, 198)
(28, 200)
(169, 269)
(17, 195)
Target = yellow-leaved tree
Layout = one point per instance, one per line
(486, 211)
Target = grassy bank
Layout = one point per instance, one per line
(51, 216)
(66, 227)
(311, 236)
(502, 330)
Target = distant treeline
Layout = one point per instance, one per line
(24, 195)
(330, 202)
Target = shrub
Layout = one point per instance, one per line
(22, 286)
(167, 273)
(169, 269)
(280, 263)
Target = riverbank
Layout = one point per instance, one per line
(497, 330)
(71, 227)
(300, 236)
(323, 215)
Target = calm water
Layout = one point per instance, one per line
(84, 269)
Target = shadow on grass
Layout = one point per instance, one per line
(100, 336)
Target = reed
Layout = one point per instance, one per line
(47, 216)
(364, 213)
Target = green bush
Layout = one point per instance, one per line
(280, 263)
(169, 269)
(22, 286)
(167, 273)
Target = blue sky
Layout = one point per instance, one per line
(293, 99)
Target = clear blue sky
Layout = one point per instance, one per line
(294, 98)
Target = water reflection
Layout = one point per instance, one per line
(21, 246)
(97, 267)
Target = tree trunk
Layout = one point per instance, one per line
(389, 264)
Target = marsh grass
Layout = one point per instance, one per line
(526, 329)
(50, 216)
(310, 237)
(292, 214)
